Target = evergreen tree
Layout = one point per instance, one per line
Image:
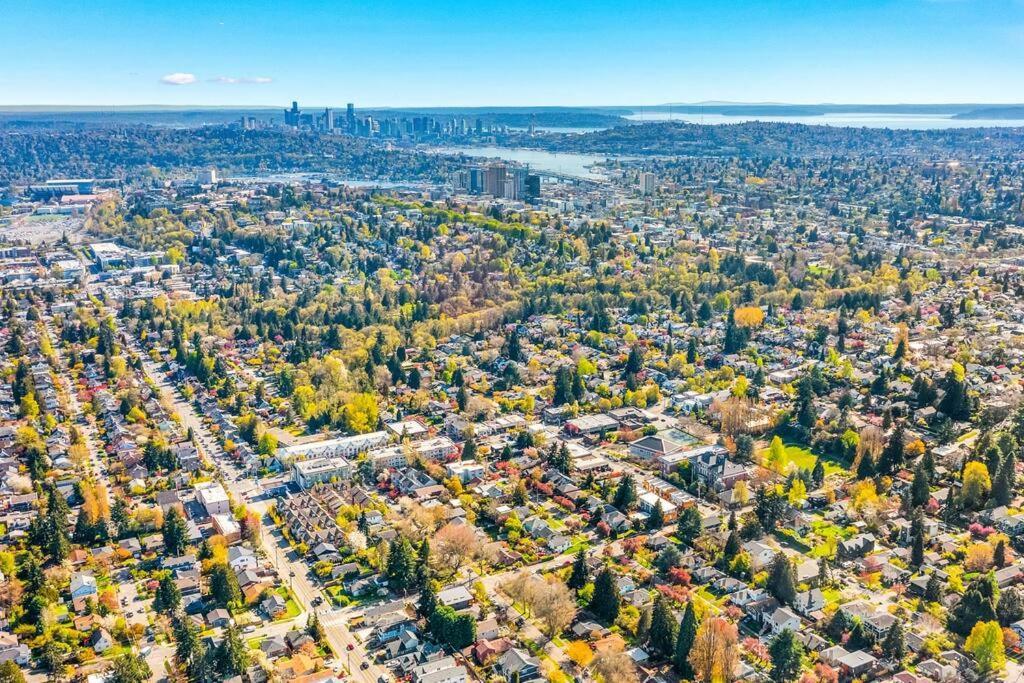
(233, 657)
(933, 589)
(818, 473)
(625, 494)
(175, 533)
(977, 604)
(428, 600)
(684, 642)
(866, 466)
(732, 546)
(223, 585)
(662, 636)
(894, 645)
(893, 456)
(605, 601)
(999, 554)
(786, 653)
(689, 525)
(1005, 480)
(401, 566)
(1010, 609)
(657, 518)
(580, 574)
(168, 597)
(782, 579)
(920, 491)
(315, 629)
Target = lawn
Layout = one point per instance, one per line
(293, 610)
(803, 459)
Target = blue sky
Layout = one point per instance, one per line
(449, 52)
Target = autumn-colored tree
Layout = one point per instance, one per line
(615, 667)
(749, 316)
(985, 643)
(715, 652)
(580, 653)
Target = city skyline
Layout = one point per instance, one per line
(876, 51)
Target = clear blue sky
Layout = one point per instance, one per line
(569, 52)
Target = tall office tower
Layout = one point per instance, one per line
(532, 187)
(291, 116)
(494, 180)
(350, 117)
(329, 119)
(646, 183)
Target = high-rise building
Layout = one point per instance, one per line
(647, 183)
(350, 117)
(207, 176)
(291, 116)
(328, 119)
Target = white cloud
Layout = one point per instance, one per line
(234, 80)
(178, 78)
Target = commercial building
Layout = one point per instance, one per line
(318, 470)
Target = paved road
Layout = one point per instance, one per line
(292, 569)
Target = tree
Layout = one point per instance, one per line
(315, 629)
(894, 645)
(1011, 606)
(615, 667)
(782, 579)
(1006, 480)
(130, 668)
(428, 600)
(715, 651)
(233, 657)
(933, 589)
(985, 643)
(555, 608)
(920, 491)
(168, 597)
(978, 604)
(769, 506)
(401, 566)
(456, 630)
(580, 574)
(605, 601)
(689, 526)
(976, 485)
(452, 546)
(223, 585)
(657, 518)
(579, 653)
(11, 672)
(893, 456)
(684, 642)
(786, 653)
(662, 636)
(175, 532)
(625, 494)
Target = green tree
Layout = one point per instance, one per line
(684, 642)
(689, 525)
(11, 672)
(625, 494)
(401, 566)
(223, 585)
(978, 604)
(657, 518)
(130, 668)
(893, 456)
(782, 579)
(580, 574)
(662, 635)
(175, 532)
(168, 597)
(920, 491)
(786, 653)
(894, 645)
(233, 657)
(605, 601)
(1006, 480)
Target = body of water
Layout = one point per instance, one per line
(569, 163)
(851, 120)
